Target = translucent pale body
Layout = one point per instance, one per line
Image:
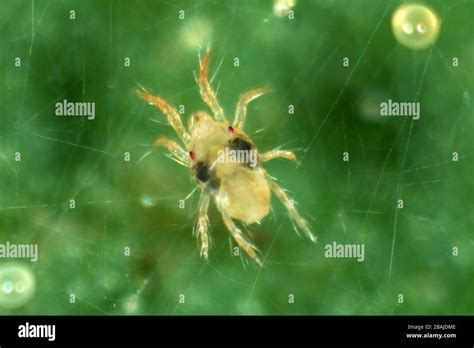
(415, 26)
(243, 192)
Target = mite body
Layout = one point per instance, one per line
(225, 164)
(237, 188)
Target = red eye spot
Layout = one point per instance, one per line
(231, 129)
(192, 155)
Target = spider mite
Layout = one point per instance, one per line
(240, 192)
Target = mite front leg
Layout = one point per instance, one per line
(268, 156)
(178, 154)
(295, 216)
(242, 242)
(244, 100)
(170, 112)
(202, 228)
(205, 89)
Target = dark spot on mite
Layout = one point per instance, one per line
(240, 144)
(214, 183)
(202, 171)
(205, 175)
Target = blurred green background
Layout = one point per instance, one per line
(134, 204)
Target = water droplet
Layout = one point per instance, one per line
(131, 305)
(415, 26)
(17, 284)
(281, 8)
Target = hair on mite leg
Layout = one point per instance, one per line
(299, 223)
(241, 254)
(177, 152)
(248, 247)
(202, 226)
(215, 73)
(244, 260)
(205, 89)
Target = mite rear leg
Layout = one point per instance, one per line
(295, 216)
(170, 112)
(250, 249)
(205, 89)
(268, 156)
(202, 228)
(244, 100)
(178, 154)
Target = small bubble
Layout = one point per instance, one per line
(17, 284)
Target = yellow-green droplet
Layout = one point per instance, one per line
(281, 8)
(196, 33)
(17, 285)
(415, 26)
(131, 305)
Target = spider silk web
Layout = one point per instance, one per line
(126, 247)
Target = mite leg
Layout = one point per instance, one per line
(295, 216)
(205, 89)
(178, 154)
(244, 100)
(267, 156)
(242, 242)
(202, 228)
(170, 112)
